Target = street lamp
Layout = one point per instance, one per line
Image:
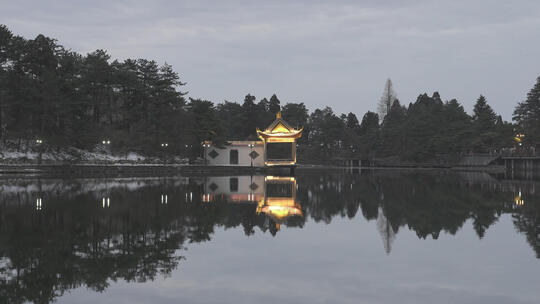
(205, 144)
(106, 143)
(187, 150)
(39, 142)
(164, 146)
(250, 153)
(106, 147)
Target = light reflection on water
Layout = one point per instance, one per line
(429, 236)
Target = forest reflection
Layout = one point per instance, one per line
(56, 235)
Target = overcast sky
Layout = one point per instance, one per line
(335, 53)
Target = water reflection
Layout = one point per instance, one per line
(279, 201)
(273, 196)
(56, 235)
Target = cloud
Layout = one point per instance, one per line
(321, 53)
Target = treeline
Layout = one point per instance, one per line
(423, 130)
(66, 99)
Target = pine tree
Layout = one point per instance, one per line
(206, 124)
(457, 132)
(484, 116)
(295, 114)
(392, 130)
(5, 41)
(231, 115)
(484, 120)
(369, 134)
(370, 123)
(352, 122)
(274, 104)
(254, 115)
(527, 114)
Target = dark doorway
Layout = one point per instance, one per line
(233, 160)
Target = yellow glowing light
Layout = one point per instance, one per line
(279, 131)
(280, 208)
(519, 137)
(206, 198)
(281, 212)
(279, 178)
(280, 139)
(280, 128)
(279, 163)
(518, 200)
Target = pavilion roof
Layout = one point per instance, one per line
(280, 128)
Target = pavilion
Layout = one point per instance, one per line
(276, 147)
(279, 141)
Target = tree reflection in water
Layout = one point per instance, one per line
(58, 235)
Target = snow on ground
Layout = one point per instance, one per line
(25, 153)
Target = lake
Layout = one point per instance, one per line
(322, 236)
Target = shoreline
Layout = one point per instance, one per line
(182, 169)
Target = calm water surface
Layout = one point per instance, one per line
(318, 237)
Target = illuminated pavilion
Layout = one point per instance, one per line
(276, 147)
(279, 141)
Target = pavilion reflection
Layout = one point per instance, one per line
(274, 196)
(280, 199)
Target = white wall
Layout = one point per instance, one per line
(223, 159)
(222, 185)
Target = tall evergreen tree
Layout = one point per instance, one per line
(296, 114)
(369, 135)
(206, 124)
(392, 129)
(326, 128)
(423, 122)
(457, 132)
(527, 114)
(231, 116)
(5, 43)
(370, 123)
(484, 120)
(484, 117)
(352, 122)
(250, 115)
(387, 99)
(274, 104)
